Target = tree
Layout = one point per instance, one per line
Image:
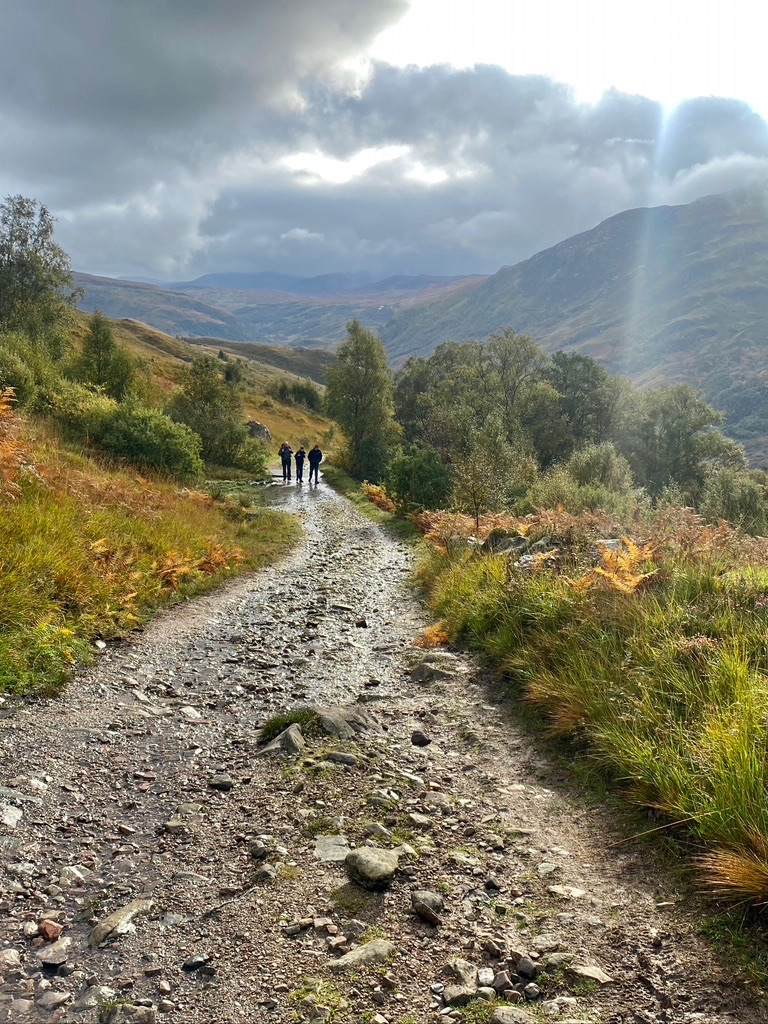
(483, 471)
(34, 270)
(212, 408)
(103, 362)
(359, 398)
(510, 364)
(668, 436)
(584, 409)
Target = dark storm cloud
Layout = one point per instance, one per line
(157, 132)
(102, 96)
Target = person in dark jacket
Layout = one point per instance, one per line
(285, 452)
(299, 457)
(315, 458)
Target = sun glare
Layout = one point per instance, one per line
(665, 51)
(322, 168)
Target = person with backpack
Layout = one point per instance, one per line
(315, 458)
(299, 457)
(285, 452)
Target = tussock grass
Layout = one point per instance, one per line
(89, 550)
(656, 665)
(307, 718)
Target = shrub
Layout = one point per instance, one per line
(602, 465)
(738, 497)
(252, 457)
(149, 438)
(14, 373)
(81, 413)
(417, 479)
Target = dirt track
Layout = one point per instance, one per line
(145, 783)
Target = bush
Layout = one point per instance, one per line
(82, 414)
(738, 497)
(149, 438)
(14, 373)
(253, 457)
(601, 464)
(303, 393)
(418, 479)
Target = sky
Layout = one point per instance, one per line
(173, 138)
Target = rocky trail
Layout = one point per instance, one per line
(408, 855)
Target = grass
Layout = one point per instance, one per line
(654, 665)
(740, 954)
(402, 529)
(319, 992)
(305, 717)
(89, 550)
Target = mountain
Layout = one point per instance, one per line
(325, 284)
(172, 312)
(226, 306)
(665, 294)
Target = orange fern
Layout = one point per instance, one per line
(13, 454)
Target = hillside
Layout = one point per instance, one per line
(273, 309)
(166, 358)
(663, 295)
(173, 312)
(311, 363)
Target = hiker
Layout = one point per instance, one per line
(285, 454)
(315, 458)
(299, 457)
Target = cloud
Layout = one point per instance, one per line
(179, 138)
(301, 235)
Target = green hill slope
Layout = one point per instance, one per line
(663, 295)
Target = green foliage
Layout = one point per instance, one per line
(738, 497)
(602, 465)
(303, 393)
(359, 398)
(16, 374)
(668, 436)
(482, 470)
(103, 362)
(584, 409)
(253, 457)
(595, 477)
(417, 479)
(151, 439)
(34, 272)
(146, 437)
(212, 408)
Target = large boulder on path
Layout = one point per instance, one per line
(344, 723)
(438, 665)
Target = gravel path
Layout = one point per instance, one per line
(142, 793)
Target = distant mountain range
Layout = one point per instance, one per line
(667, 294)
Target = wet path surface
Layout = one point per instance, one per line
(93, 780)
(142, 792)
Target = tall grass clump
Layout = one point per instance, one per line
(648, 650)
